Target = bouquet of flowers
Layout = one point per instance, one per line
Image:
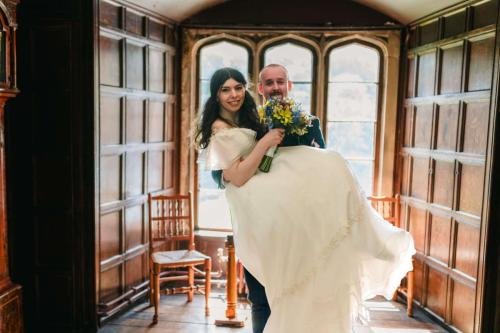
(282, 113)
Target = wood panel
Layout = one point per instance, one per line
(110, 58)
(134, 132)
(426, 73)
(454, 24)
(447, 126)
(436, 298)
(444, 180)
(471, 189)
(475, 120)
(135, 23)
(467, 249)
(440, 238)
(417, 223)
(137, 145)
(110, 120)
(420, 178)
(410, 83)
(423, 126)
(418, 275)
(450, 77)
(462, 307)
(480, 64)
(448, 134)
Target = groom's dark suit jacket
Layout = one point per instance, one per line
(313, 138)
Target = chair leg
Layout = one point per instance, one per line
(395, 295)
(409, 294)
(151, 286)
(191, 283)
(208, 270)
(156, 293)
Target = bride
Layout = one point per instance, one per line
(304, 230)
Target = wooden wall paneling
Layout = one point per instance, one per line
(405, 177)
(426, 73)
(422, 129)
(412, 69)
(454, 69)
(110, 56)
(470, 188)
(447, 126)
(440, 238)
(157, 72)
(111, 119)
(420, 178)
(417, 227)
(135, 114)
(436, 292)
(429, 32)
(110, 15)
(466, 249)
(487, 316)
(450, 74)
(156, 30)
(418, 275)
(484, 14)
(156, 121)
(135, 23)
(463, 306)
(480, 62)
(135, 60)
(474, 121)
(443, 177)
(137, 145)
(454, 23)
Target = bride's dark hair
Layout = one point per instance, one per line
(247, 115)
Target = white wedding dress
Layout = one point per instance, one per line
(307, 233)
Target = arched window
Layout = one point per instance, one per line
(213, 212)
(352, 107)
(298, 60)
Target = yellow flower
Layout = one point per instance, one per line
(261, 113)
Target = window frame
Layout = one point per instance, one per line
(314, 67)
(387, 40)
(380, 96)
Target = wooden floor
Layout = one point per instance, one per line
(178, 316)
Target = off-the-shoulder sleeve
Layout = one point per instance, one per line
(227, 146)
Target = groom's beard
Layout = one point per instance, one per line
(276, 95)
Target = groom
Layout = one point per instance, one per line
(273, 82)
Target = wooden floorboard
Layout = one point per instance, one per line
(178, 316)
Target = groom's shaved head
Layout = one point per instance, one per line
(272, 66)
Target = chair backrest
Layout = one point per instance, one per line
(170, 220)
(388, 208)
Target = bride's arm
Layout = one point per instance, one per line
(242, 170)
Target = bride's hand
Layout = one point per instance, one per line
(273, 137)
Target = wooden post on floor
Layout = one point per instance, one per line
(231, 279)
(231, 288)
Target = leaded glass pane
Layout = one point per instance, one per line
(298, 60)
(354, 63)
(352, 101)
(352, 139)
(222, 54)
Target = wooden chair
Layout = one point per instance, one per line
(171, 224)
(389, 209)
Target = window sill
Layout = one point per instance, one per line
(212, 234)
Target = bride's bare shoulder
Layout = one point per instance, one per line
(219, 125)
